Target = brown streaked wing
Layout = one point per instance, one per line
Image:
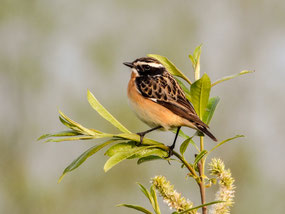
(165, 91)
(181, 98)
(193, 118)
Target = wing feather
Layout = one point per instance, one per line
(164, 90)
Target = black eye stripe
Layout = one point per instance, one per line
(140, 69)
(146, 67)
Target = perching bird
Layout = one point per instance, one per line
(159, 101)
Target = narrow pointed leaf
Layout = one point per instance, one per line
(231, 77)
(199, 157)
(196, 56)
(60, 134)
(117, 158)
(77, 125)
(185, 144)
(154, 196)
(151, 151)
(170, 66)
(68, 125)
(82, 158)
(135, 137)
(136, 207)
(147, 194)
(56, 140)
(79, 137)
(148, 158)
(197, 52)
(121, 147)
(200, 92)
(224, 141)
(210, 109)
(200, 206)
(195, 59)
(192, 60)
(131, 146)
(104, 113)
(181, 133)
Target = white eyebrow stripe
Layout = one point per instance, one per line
(151, 64)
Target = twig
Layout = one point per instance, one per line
(201, 166)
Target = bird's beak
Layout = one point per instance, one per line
(129, 64)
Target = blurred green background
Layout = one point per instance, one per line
(52, 51)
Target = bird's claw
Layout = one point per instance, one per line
(170, 152)
(141, 138)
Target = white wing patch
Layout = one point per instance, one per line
(153, 99)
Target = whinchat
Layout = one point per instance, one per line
(159, 101)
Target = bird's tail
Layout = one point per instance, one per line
(206, 132)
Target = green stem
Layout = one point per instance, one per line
(201, 164)
(182, 159)
(201, 167)
(188, 166)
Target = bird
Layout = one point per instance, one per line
(158, 100)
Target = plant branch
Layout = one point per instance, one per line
(201, 163)
(201, 166)
(188, 166)
(182, 159)
(231, 77)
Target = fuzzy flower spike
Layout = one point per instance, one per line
(172, 198)
(226, 187)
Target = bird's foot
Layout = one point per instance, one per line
(141, 134)
(170, 151)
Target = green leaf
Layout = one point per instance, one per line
(148, 158)
(197, 52)
(185, 144)
(210, 109)
(231, 77)
(170, 66)
(147, 194)
(224, 141)
(199, 157)
(200, 92)
(76, 126)
(117, 158)
(195, 58)
(200, 206)
(136, 207)
(82, 158)
(135, 137)
(56, 140)
(68, 125)
(121, 147)
(60, 134)
(131, 146)
(181, 133)
(104, 113)
(151, 151)
(153, 194)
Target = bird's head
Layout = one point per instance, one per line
(146, 66)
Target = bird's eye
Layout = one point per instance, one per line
(147, 67)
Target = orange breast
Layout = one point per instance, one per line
(152, 113)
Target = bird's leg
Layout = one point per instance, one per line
(142, 134)
(173, 144)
